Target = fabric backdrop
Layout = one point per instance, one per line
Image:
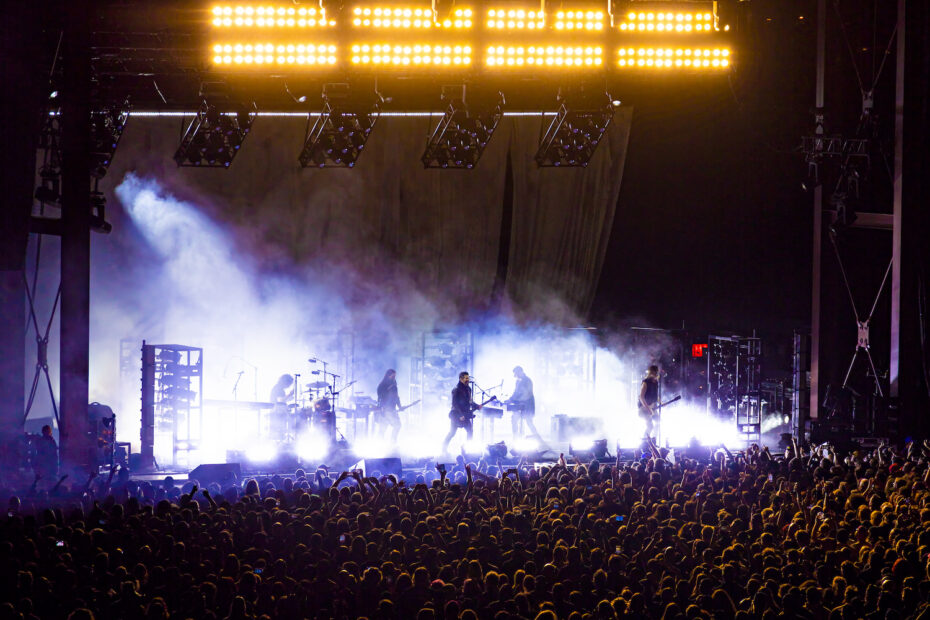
(391, 226)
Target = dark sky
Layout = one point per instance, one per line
(712, 227)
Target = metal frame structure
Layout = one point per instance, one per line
(849, 153)
(172, 401)
(463, 132)
(734, 381)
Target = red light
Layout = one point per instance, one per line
(697, 350)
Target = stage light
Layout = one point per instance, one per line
(535, 56)
(679, 58)
(678, 21)
(312, 447)
(464, 131)
(579, 20)
(405, 55)
(573, 135)
(106, 128)
(315, 55)
(214, 136)
(515, 19)
(587, 448)
(393, 17)
(340, 133)
(525, 446)
(269, 17)
(262, 452)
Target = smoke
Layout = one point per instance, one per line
(174, 275)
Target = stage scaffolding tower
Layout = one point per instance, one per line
(734, 383)
(443, 355)
(172, 403)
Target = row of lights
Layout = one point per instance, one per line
(406, 55)
(579, 20)
(408, 17)
(681, 57)
(670, 17)
(641, 27)
(551, 56)
(460, 55)
(516, 19)
(271, 59)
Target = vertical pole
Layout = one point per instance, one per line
(76, 441)
(898, 191)
(19, 32)
(818, 216)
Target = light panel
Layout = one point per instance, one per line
(266, 17)
(417, 55)
(673, 58)
(408, 18)
(270, 54)
(515, 19)
(547, 56)
(682, 22)
(580, 20)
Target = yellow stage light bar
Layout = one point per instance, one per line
(589, 20)
(274, 54)
(545, 56)
(408, 18)
(515, 19)
(243, 16)
(673, 58)
(407, 55)
(683, 22)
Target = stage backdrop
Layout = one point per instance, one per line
(397, 227)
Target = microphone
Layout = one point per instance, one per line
(314, 372)
(240, 373)
(312, 360)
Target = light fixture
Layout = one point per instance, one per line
(215, 135)
(339, 134)
(464, 131)
(580, 123)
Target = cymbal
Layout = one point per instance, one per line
(317, 385)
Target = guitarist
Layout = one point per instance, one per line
(649, 398)
(462, 412)
(389, 403)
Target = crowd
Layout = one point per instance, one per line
(809, 534)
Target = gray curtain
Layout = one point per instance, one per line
(562, 221)
(389, 227)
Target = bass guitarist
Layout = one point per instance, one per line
(462, 412)
(389, 404)
(649, 398)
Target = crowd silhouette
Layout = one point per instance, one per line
(809, 534)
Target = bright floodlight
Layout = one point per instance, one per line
(263, 452)
(525, 445)
(372, 447)
(312, 448)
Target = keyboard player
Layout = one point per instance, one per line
(522, 404)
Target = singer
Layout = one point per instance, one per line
(462, 412)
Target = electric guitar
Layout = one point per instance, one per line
(380, 410)
(655, 408)
(462, 418)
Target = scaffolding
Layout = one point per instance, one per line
(172, 404)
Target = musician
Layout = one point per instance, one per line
(523, 404)
(389, 403)
(649, 398)
(462, 411)
(281, 393)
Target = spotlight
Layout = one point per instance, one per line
(497, 451)
(213, 138)
(106, 129)
(576, 130)
(463, 132)
(340, 133)
(263, 452)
